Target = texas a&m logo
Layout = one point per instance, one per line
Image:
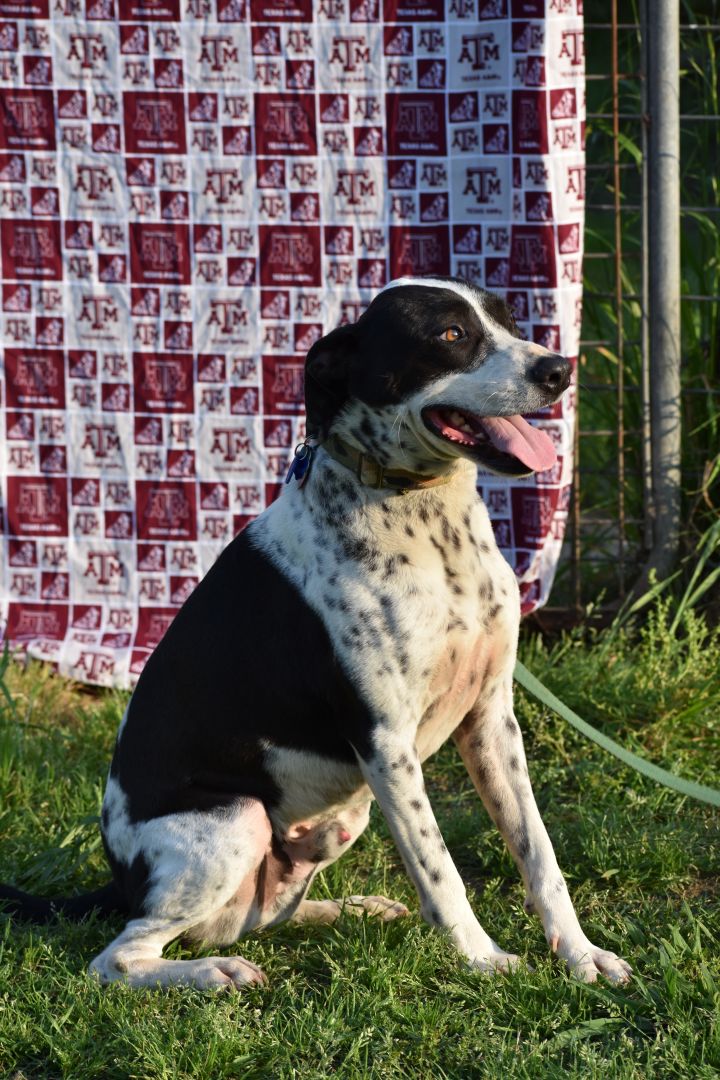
(530, 122)
(35, 621)
(230, 444)
(419, 250)
(289, 256)
(349, 58)
(477, 53)
(354, 186)
(35, 378)
(86, 54)
(532, 256)
(27, 120)
(99, 446)
(163, 382)
(94, 667)
(285, 124)
(105, 572)
(37, 506)
(572, 47)
(166, 510)
(349, 52)
(94, 181)
(416, 124)
(30, 250)
(353, 191)
(481, 188)
(222, 189)
(283, 380)
(160, 254)
(217, 51)
(154, 122)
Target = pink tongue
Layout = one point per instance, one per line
(514, 435)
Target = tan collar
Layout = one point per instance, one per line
(371, 473)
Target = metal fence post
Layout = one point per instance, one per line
(663, 267)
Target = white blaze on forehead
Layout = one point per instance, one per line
(474, 299)
(470, 295)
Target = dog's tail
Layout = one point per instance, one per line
(37, 909)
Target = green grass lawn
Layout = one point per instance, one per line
(363, 999)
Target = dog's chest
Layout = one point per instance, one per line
(419, 606)
(479, 633)
(453, 605)
(456, 682)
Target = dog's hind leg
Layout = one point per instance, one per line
(184, 870)
(491, 745)
(135, 958)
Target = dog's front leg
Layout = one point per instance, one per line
(491, 744)
(393, 772)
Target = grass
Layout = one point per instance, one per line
(362, 999)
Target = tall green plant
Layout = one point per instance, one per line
(600, 365)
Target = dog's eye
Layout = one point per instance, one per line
(452, 333)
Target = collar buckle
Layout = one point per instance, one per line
(369, 472)
(373, 475)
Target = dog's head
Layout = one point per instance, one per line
(434, 370)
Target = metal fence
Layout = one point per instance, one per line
(652, 140)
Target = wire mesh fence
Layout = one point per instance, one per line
(611, 519)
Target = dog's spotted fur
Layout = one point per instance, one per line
(335, 645)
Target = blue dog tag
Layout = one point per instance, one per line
(300, 464)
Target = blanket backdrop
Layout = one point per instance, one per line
(191, 192)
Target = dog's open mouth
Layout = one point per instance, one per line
(507, 444)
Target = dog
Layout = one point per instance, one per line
(353, 627)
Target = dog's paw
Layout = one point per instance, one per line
(378, 906)
(231, 973)
(585, 962)
(496, 963)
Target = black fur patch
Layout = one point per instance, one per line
(204, 700)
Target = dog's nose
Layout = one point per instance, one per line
(552, 373)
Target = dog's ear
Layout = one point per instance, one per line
(326, 378)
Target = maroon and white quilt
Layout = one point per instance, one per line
(193, 191)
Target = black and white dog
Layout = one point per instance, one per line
(336, 643)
